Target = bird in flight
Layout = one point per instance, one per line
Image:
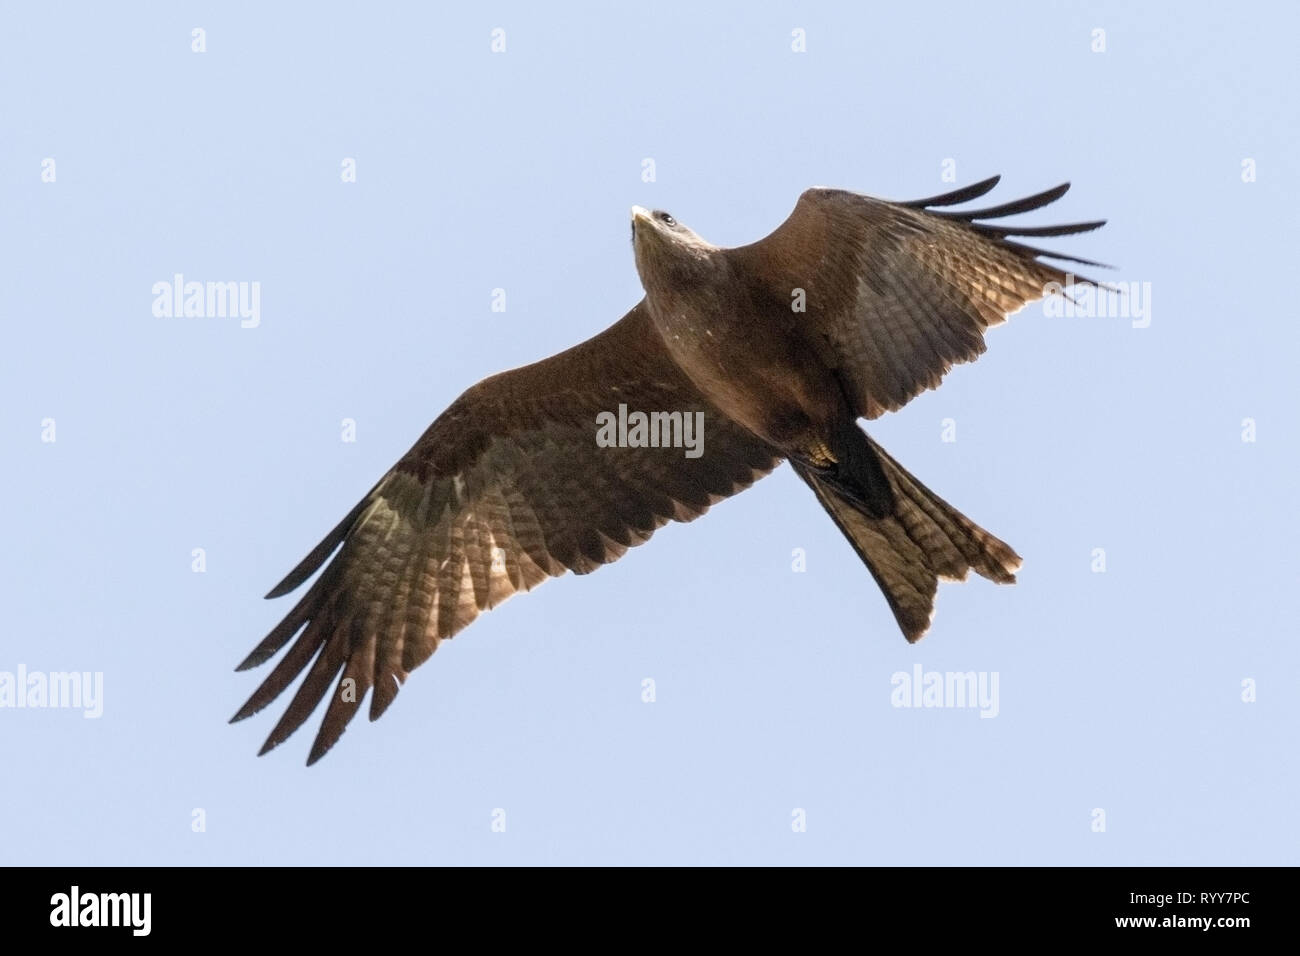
(851, 308)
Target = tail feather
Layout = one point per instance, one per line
(924, 540)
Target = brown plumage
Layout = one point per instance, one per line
(509, 487)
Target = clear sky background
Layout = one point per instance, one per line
(1120, 691)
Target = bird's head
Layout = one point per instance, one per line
(667, 252)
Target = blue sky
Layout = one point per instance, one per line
(1119, 691)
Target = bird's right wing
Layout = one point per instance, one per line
(507, 488)
(896, 293)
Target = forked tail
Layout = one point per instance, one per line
(908, 551)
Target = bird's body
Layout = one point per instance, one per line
(849, 309)
(746, 354)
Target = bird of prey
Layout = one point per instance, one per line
(851, 308)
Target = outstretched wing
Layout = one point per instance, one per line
(898, 293)
(506, 489)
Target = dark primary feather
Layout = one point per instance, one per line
(1070, 229)
(1028, 204)
(965, 194)
(506, 489)
(308, 565)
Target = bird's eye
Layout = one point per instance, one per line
(666, 219)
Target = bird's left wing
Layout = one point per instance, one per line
(896, 293)
(507, 488)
